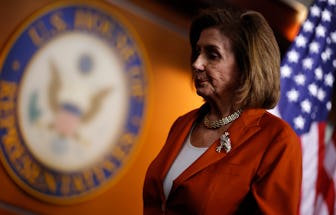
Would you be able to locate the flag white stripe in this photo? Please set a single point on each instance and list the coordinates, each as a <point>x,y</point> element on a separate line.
<point>309,142</point>
<point>321,207</point>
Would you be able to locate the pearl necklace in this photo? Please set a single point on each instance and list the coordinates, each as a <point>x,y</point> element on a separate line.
<point>221,122</point>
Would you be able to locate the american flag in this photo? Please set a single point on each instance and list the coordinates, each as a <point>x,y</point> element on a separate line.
<point>307,80</point>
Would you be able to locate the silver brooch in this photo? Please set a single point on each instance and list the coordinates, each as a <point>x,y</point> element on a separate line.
<point>225,143</point>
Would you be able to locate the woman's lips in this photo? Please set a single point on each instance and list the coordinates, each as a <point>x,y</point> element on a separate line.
<point>201,82</point>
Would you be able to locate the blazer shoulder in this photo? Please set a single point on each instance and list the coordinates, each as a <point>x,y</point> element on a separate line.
<point>281,132</point>
<point>276,121</point>
<point>270,125</point>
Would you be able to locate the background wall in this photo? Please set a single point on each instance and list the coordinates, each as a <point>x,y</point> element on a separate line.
<point>171,94</point>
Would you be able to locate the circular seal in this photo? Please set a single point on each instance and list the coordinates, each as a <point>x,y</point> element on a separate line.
<point>73,88</point>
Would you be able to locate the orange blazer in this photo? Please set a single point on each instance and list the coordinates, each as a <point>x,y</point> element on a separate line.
<point>260,175</point>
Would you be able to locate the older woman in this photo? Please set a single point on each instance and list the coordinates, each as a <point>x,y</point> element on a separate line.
<point>230,156</point>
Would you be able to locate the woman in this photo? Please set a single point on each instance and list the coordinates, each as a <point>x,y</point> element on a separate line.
<point>230,156</point>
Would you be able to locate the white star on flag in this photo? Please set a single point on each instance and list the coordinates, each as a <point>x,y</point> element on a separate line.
<point>300,79</point>
<point>306,106</point>
<point>286,71</point>
<point>308,26</point>
<point>301,41</point>
<point>314,47</point>
<point>293,56</point>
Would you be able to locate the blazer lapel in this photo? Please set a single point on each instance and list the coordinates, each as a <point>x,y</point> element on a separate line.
<point>240,130</point>
<point>175,143</point>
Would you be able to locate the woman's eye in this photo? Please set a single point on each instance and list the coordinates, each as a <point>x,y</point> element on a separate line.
<point>213,56</point>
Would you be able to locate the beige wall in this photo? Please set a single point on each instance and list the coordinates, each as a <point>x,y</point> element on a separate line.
<point>170,93</point>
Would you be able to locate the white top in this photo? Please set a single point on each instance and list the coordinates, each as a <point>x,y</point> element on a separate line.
<point>184,159</point>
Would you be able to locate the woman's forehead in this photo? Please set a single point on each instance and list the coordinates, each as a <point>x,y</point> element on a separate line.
<point>213,37</point>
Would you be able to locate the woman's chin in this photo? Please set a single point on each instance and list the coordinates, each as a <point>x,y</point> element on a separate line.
<point>203,92</point>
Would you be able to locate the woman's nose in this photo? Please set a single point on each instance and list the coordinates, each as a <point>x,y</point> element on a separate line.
<point>199,63</point>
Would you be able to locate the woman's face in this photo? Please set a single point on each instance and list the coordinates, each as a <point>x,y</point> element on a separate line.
<point>215,70</point>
